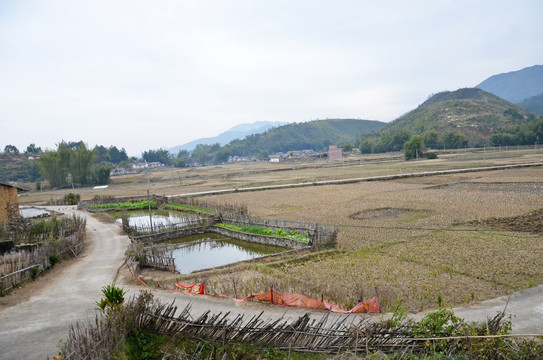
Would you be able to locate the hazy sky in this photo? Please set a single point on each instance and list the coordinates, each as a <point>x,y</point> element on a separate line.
<point>148,74</point>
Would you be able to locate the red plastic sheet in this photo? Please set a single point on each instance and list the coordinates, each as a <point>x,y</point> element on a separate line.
<point>295,300</point>
<point>192,289</point>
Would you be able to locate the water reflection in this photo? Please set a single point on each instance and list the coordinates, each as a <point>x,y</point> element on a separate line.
<point>212,253</point>
<point>164,219</point>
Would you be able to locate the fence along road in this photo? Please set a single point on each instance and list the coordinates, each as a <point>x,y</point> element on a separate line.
<point>32,330</point>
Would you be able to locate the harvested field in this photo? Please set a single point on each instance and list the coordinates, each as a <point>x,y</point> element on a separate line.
<point>493,187</point>
<point>456,238</point>
<point>411,239</point>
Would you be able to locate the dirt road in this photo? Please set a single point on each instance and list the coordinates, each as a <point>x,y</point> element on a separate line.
<point>32,330</point>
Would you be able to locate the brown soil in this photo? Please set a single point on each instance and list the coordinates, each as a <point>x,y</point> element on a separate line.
<point>383,213</point>
<point>531,222</point>
<point>531,188</point>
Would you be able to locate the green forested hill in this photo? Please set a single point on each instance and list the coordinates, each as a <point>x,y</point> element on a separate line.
<point>466,117</point>
<point>473,112</point>
<point>535,104</point>
<point>316,135</point>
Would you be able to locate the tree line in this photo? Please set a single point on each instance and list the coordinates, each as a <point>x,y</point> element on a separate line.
<point>70,162</point>
<point>73,163</point>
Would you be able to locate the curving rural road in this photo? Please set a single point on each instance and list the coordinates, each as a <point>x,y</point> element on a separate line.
<point>32,329</point>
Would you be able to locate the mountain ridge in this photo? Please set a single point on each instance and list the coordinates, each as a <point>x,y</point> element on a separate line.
<point>316,135</point>
<point>515,86</point>
<point>239,131</point>
<point>534,104</point>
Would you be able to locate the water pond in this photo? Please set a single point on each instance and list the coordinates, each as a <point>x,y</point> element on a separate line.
<point>160,218</point>
<point>212,250</point>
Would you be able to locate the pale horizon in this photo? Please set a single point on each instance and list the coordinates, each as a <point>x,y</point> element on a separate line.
<point>142,75</point>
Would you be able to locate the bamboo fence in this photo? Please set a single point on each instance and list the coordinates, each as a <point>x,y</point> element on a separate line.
<point>167,226</point>
<point>24,231</point>
<point>157,257</point>
<point>16,267</point>
<point>344,334</point>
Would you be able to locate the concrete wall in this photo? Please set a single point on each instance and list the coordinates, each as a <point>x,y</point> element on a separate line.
<point>169,235</point>
<point>260,239</point>
<point>8,198</point>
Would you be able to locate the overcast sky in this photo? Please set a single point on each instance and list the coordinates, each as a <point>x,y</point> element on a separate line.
<point>149,74</point>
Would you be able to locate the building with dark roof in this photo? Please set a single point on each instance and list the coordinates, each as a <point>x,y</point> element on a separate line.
<point>9,201</point>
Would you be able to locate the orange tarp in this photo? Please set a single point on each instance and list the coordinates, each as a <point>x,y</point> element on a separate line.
<point>295,300</point>
<point>288,299</point>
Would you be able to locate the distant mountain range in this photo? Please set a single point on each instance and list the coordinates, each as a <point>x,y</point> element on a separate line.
<point>500,110</point>
<point>524,87</point>
<point>237,132</point>
<point>315,135</point>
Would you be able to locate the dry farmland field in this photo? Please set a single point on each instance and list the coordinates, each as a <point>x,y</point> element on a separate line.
<point>447,239</point>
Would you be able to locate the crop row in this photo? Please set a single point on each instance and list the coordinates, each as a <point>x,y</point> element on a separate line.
<point>293,235</point>
<point>143,204</point>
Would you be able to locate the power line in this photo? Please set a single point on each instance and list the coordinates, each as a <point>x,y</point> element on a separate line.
<point>420,228</point>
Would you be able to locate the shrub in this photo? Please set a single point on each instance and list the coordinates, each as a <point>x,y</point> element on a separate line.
<point>113,298</point>
<point>34,272</point>
<point>53,259</point>
<point>72,199</point>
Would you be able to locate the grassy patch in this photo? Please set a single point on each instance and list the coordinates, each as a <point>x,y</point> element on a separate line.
<point>192,208</point>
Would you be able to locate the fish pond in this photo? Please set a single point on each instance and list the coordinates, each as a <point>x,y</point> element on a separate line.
<point>211,250</point>
<point>141,221</point>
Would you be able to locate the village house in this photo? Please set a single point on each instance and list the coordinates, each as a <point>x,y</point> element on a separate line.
<point>334,152</point>
<point>118,171</point>
<point>146,165</point>
<point>9,201</point>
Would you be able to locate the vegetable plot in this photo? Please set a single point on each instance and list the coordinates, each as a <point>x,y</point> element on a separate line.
<point>293,235</point>
<point>143,204</point>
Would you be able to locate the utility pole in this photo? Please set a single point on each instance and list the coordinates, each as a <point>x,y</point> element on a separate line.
<point>149,200</point>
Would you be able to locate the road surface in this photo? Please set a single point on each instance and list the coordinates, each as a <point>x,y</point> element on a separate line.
<point>33,329</point>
